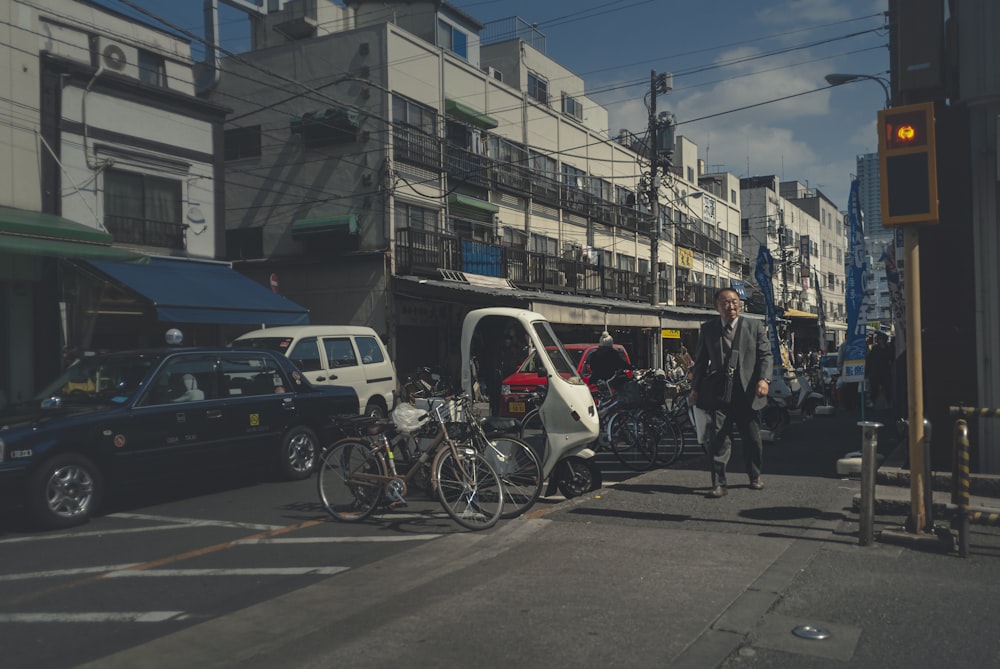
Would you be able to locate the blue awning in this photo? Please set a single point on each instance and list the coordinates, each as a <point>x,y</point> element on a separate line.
<point>193,291</point>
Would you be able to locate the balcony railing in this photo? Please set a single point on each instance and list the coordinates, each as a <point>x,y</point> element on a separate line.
<point>143,232</point>
<point>422,253</point>
<point>412,146</point>
<point>695,240</point>
<point>694,295</point>
<point>467,166</point>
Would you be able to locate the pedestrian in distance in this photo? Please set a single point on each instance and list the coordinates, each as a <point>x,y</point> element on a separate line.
<point>606,360</point>
<point>738,347</point>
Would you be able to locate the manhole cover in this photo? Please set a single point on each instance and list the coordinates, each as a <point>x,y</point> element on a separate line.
<point>811,632</point>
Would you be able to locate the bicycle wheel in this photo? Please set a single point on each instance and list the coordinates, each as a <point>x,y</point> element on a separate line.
<point>350,480</point>
<point>468,488</point>
<point>519,469</point>
<point>533,432</point>
<point>633,440</point>
<point>670,441</point>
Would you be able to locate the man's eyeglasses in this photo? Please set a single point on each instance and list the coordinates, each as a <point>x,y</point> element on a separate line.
<point>729,303</point>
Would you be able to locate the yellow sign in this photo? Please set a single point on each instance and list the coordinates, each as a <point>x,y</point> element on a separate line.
<point>670,334</point>
<point>685,258</point>
<point>254,419</point>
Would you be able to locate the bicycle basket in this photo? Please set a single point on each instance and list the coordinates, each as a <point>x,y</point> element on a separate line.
<point>629,395</point>
<point>458,431</point>
<point>655,390</point>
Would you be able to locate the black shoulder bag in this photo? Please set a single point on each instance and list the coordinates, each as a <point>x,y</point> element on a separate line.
<point>716,388</point>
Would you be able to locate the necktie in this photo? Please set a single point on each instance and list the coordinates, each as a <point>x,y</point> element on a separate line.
<point>727,340</point>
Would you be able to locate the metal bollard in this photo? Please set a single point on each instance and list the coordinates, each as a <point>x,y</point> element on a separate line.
<point>928,479</point>
<point>869,447</point>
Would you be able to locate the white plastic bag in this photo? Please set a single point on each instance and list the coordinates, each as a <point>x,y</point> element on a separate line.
<point>408,418</point>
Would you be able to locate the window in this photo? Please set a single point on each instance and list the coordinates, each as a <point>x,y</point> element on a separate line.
<point>538,88</point>
<point>544,165</point>
<point>544,245</point>
<point>732,196</point>
<point>339,352</point>
<point>734,243</point>
<point>690,172</point>
<point>305,355</point>
<point>152,69</point>
<point>505,151</point>
<point>745,227</point>
<point>143,209</point>
<point>370,351</point>
<point>186,379</point>
<point>572,107</point>
<point>453,39</point>
<point>573,176</point>
<point>416,218</point>
<point>412,114</point>
<point>242,143</point>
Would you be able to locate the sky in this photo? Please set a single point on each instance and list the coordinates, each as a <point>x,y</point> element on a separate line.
<point>748,75</point>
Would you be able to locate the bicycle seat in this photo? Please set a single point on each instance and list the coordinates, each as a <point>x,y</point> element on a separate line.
<point>497,425</point>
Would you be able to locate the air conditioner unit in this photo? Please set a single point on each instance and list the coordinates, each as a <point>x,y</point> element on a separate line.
<point>561,278</point>
<point>118,57</point>
<point>494,72</point>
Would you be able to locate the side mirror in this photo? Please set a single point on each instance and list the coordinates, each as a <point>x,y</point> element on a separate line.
<point>53,402</point>
<point>542,374</point>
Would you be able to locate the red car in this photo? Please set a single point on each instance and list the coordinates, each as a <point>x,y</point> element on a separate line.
<point>525,380</point>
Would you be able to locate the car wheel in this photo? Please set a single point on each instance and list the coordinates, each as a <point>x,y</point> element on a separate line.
<point>299,453</point>
<point>374,410</point>
<point>64,491</point>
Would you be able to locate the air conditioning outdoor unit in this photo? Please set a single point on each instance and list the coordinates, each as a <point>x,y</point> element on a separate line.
<point>118,57</point>
<point>561,278</point>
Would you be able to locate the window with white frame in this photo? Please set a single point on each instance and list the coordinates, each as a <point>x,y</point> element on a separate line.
<point>152,69</point>
<point>538,88</point>
<point>572,107</point>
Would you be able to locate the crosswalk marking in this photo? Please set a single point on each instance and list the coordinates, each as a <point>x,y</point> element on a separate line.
<point>238,571</point>
<point>338,540</point>
<point>93,617</point>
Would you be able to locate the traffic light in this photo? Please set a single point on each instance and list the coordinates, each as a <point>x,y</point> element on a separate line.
<point>907,157</point>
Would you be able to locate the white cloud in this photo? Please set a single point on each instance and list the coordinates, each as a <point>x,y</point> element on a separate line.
<point>798,12</point>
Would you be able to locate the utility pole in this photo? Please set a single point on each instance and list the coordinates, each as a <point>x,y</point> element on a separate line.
<point>657,84</point>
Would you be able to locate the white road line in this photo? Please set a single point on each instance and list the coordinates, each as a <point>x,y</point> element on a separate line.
<point>263,571</point>
<point>338,540</point>
<point>55,573</point>
<point>92,617</point>
<point>194,522</point>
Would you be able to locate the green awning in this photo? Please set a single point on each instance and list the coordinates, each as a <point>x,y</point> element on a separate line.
<point>34,233</point>
<point>467,113</point>
<point>330,225</point>
<point>456,200</point>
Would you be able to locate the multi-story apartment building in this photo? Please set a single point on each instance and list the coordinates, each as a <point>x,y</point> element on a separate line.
<point>398,163</point>
<point>878,240</point>
<point>804,233</point>
<point>109,185</point>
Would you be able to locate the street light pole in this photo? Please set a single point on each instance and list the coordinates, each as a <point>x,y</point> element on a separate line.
<point>838,79</point>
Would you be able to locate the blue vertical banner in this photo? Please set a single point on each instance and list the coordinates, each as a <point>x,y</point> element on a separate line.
<point>763,272</point>
<point>854,346</point>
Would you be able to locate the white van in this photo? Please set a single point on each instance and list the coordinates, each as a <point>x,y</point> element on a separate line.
<point>337,355</point>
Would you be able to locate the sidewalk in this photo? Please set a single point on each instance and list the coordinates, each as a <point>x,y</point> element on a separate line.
<point>648,573</point>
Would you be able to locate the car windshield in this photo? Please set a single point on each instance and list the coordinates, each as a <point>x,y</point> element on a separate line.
<point>279,344</point>
<point>110,379</point>
<point>554,351</point>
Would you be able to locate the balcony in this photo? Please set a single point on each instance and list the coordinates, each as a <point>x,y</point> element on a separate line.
<point>423,253</point>
<point>694,295</point>
<point>695,240</point>
<point>412,146</point>
<point>142,232</point>
<point>468,167</point>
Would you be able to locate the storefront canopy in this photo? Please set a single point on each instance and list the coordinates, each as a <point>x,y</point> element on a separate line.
<point>192,291</point>
<point>37,234</point>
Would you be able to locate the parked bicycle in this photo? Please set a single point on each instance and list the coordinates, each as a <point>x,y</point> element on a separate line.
<point>358,473</point>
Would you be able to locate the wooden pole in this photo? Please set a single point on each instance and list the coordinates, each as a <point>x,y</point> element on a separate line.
<point>914,371</point>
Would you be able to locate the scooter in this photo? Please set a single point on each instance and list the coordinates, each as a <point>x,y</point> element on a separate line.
<point>567,420</point>
<point>788,396</point>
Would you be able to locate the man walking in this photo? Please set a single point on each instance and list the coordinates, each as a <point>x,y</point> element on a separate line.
<point>737,346</point>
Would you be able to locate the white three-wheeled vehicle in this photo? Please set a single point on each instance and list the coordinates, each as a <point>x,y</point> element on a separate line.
<point>567,411</point>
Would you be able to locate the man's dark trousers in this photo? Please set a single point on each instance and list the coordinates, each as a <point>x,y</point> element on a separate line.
<point>720,445</point>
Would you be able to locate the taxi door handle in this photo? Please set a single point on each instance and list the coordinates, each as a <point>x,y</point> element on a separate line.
<point>213,413</point>
<point>320,378</point>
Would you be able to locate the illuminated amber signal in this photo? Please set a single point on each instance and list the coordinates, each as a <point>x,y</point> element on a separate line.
<point>908,165</point>
<point>906,134</point>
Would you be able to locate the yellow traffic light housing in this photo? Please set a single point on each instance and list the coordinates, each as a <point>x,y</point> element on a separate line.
<point>908,164</point>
